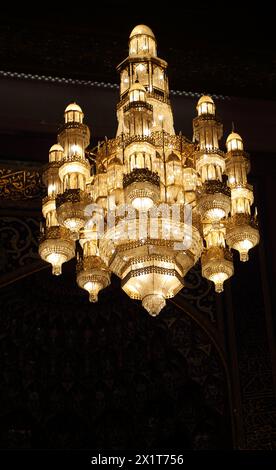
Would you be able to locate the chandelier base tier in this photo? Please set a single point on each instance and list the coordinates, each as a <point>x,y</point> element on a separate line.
<point>92,276</point>
<point>153,303</point>
<point>56,247</point>
<point>242,234</point>
<point>217,266</point>
<point>147,204</point>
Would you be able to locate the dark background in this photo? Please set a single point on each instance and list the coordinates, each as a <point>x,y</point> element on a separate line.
<point>219,47</point>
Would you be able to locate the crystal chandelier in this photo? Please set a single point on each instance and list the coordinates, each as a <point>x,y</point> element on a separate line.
<point>147,204</point>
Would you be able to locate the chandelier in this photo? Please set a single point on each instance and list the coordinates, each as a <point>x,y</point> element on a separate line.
<point>147,204</point>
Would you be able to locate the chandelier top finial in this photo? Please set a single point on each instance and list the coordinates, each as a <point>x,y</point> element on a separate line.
<point>142,41</point>
<point>232,136</point>
<point>205,105</point>
<point>73,107</point>
<point>141,29</point>
<point>73,113</point>
<point>205,99</point>
<point>56,148</point>
<point>234,142</point>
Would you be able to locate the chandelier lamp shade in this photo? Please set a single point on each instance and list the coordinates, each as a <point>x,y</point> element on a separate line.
<point>148,204</point>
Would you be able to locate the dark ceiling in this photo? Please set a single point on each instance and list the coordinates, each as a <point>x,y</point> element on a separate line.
<point>211,47</point>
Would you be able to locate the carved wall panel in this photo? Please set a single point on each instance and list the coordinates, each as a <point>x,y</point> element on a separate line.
<point>21,190</point>
<point>18,247</point>
<point>18,184</point>
<point>75,374</point>
<point>254,358</point>
<point>200,293</point>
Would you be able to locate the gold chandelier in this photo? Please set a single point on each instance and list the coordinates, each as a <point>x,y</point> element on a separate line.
<point>147,204</point>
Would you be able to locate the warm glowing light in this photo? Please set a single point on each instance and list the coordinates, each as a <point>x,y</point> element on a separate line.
<point>73,224</point>
<point>124,204</point>
<point>243,248</point>
<point>215,214</point>
<point>218,279</point>
<point>234,142</point>
<point>93,288</point>
<point>56,260</point>
<point>142,203</point>
<point>153,304</point>
<point>205,105</point>
<point>75,149</point>
<point>51,189</point>
<point>146,132</point>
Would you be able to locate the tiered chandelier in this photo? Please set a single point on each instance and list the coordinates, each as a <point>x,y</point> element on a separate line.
<point>147,204</point>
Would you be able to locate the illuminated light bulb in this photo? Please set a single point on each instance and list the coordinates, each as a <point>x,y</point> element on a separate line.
<point>56,260</point>
<point>93,288</point>
<point>218,279</point>
<point>154,303</point>
<point>51,189</point>
<point>215,214</point>
<point>75,149</point>
<point>142,204</point>
<point>243,248</point>
<point>73,224</point>
<point>147,132</point>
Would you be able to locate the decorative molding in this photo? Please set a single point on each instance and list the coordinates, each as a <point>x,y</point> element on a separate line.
<point>18,246</point>
<point>199,292</point>
<point>215,186</point>
<point>257,393</point>
<point>19,184</point>
<point>93,83</point>
<point>72,196</point>
<point>144,175</point>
